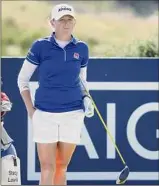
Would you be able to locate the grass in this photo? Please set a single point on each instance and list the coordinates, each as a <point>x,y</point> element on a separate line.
<point>108,32</point>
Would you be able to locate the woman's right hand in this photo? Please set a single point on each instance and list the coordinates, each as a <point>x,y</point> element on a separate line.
<point>31,112</point>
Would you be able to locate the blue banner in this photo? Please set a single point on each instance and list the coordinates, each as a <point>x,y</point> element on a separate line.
<point>126,94</point>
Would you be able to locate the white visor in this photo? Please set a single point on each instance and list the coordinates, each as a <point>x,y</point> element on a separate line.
<point>61,10</point>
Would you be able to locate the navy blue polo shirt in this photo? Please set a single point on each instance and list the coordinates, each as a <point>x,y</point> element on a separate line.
<point>59,85</point>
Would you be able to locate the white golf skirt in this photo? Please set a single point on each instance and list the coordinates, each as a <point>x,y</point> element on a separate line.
<point>57,127</point>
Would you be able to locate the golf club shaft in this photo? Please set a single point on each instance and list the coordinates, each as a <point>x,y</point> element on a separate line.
<point>104,124</point>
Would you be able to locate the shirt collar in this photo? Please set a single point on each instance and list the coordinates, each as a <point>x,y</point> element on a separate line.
<point>73,39</point>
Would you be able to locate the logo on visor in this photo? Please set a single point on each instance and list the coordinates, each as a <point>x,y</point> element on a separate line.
<point>76,55</point>
<point>64,8</point>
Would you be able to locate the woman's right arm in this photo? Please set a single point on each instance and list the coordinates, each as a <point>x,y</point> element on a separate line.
<point>24,76</point>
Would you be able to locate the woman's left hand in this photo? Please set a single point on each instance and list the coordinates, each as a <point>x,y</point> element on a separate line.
<point>89,108</point>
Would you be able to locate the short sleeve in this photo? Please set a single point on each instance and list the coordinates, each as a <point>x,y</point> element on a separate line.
<point>33,55</point>
<point>85,56</point>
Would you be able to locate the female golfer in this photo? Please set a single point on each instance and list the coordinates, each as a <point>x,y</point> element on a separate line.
<point>60,101</point>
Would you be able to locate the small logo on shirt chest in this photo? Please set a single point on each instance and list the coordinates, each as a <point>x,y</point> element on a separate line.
<point>76,55</point>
